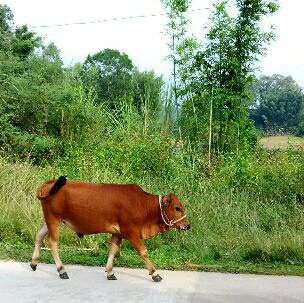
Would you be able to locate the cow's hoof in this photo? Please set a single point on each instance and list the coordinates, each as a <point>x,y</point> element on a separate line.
<point>64,275</point>
<point>111,277</point>
<point>33,266</point>
<point>157,278</point>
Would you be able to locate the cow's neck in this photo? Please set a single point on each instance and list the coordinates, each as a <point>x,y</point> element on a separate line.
<point>154,223</point>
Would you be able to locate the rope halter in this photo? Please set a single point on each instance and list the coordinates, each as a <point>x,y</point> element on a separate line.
<point>164,216</point>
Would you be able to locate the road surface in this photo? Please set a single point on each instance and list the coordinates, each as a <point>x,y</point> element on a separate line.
<point>18,283</point>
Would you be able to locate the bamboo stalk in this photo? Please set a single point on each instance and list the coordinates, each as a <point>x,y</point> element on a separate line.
<point>210,131</point>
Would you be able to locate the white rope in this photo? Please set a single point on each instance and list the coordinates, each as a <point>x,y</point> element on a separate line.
<point>164,216</point>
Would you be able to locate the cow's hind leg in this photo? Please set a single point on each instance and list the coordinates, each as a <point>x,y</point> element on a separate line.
<point>143,252</point>
<point>53,237</point>
<point>38,243</point>
<point>114,247</point>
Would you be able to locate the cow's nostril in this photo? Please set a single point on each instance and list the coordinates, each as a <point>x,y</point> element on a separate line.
<point>188,226</point>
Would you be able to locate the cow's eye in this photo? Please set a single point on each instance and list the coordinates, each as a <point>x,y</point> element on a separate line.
<point>178,209</point>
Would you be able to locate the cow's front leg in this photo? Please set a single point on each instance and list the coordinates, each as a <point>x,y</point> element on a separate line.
<point>143,252</point>
<point>114,247</point>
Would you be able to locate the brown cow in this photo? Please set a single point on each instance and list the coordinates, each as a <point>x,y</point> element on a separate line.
<point>124,210</point>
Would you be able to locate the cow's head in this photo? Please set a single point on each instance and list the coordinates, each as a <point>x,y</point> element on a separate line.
<point>173,212</point>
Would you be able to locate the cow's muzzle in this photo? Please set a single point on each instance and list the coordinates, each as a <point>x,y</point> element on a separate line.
<point>185,227</point>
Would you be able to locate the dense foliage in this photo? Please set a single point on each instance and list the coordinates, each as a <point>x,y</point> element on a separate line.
<point>46,108</point>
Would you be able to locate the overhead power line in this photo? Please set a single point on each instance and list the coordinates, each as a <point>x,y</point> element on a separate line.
<point>109,19</point>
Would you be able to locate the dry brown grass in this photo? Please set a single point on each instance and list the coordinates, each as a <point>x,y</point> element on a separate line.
<point>282,142</point>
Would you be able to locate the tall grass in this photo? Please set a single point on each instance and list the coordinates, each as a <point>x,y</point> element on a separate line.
<point>229,223</point>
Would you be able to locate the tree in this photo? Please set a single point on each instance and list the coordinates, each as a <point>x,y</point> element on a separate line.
<point>52,53</point>
<point>223,71</point>
<point>6,29</point>
<point>6,19</point>
<point>109,73</point>
<point>147,91</point>
<point>17,41</point>
<point>146,96</point>
<point>30,82</point>
<point>280,103</point>
<point>24,42</point>
<point>176,30</point>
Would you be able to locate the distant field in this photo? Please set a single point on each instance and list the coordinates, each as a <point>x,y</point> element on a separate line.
<point>282,142</point>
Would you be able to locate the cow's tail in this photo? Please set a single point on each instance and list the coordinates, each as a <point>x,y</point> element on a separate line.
<point>60,182</point>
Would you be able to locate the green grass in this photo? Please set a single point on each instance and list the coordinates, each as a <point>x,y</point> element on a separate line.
<point>128,258</point>
<point>240,227</point>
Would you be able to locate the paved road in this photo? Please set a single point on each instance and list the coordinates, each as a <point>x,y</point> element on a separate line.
<point>88,284</point>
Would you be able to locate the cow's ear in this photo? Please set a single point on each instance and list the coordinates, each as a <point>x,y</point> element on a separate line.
<point>167,200</point>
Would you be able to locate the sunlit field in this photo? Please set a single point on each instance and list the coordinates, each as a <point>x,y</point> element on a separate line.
<point>282,142</point>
